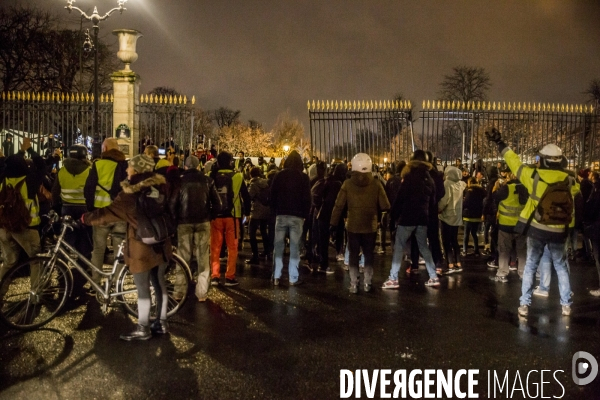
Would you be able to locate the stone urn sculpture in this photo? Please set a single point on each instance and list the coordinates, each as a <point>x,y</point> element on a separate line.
<point>127,41</point>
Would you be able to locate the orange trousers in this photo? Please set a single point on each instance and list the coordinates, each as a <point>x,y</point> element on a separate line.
<point>227,227</point>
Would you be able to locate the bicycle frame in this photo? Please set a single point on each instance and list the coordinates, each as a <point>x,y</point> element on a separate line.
<point>65,250</point>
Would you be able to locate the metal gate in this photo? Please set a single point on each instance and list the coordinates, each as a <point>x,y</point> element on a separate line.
<point>457,130</point>
<point>167,122</point>
<point>53,120</point>
<point>340,129</point>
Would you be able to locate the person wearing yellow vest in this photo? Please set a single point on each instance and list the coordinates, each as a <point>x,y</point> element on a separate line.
<point>531,220</point>
<point>68,199</point>
<point>16,170</point>
<point>510,196</point>
<point>101,188</point>
<point>235,202</point>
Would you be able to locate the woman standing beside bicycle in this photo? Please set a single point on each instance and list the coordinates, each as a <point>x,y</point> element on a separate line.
<point>146,262</point>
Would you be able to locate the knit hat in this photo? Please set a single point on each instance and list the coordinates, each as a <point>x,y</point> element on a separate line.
<point>142,163</point>
<point>192,162</point>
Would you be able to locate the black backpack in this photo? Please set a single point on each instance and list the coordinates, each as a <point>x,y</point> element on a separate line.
<point>154,224</point>
<point>556,204</point>
<point>224,186</point>
<point>14,214</point>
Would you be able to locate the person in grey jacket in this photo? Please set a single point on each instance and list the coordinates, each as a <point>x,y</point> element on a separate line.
<point>450,214</point>
<point>260,214</point>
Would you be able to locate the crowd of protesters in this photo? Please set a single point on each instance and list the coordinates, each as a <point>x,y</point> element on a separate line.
<point>531,216</point>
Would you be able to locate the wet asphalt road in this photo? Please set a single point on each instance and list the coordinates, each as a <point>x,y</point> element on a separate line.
<point>255,341</point>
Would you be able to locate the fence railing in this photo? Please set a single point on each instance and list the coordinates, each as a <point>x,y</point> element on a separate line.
<point>456,130</point>
<point>167,121</point>
<point>340,129</point>
<point>53,120</point>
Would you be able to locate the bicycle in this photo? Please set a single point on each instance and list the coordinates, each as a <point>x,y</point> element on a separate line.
<point>34,292</point>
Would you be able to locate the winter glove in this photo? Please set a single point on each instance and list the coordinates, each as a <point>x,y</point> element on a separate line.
<point>495,136</point>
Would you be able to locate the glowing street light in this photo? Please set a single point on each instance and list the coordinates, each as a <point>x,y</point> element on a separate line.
<point>95,18</point>
<point>286,148</point>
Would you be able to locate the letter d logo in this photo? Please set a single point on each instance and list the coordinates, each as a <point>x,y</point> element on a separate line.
<point>583,367</point>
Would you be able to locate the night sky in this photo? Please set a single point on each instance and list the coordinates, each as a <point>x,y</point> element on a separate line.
<point>265,56</point>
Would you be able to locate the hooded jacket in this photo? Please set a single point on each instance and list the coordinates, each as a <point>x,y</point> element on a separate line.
<point>139,256</point>
<point>364,197</point>
<point>259,210</point>
<point>416,196</point>
<point>450,206</point>
<point>290,191</point>
<point>325,200</point>
<point>473,203</point>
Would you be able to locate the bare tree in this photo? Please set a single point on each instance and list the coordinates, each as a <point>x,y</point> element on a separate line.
<point>593,92</point>
<point>224,116</point>
<point>35,55</point>
<point>465,84</point>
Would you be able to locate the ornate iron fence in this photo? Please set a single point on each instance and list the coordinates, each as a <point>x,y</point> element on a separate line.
<point>167,122</point>
<point>53,120</point>
<point>340,129</point>
<point>456,130</point>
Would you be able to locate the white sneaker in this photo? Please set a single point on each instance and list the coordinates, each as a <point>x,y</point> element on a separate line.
<point>340,257</point>
<point>595,293</point>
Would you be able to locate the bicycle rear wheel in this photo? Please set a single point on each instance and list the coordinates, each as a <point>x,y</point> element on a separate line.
<point>178,281</point>
<point>33,293</point>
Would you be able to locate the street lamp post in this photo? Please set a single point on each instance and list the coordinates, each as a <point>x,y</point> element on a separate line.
<point>96,18</point>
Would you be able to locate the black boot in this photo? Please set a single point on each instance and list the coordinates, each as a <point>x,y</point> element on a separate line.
<point>159,327</point>
<point>140,333</point>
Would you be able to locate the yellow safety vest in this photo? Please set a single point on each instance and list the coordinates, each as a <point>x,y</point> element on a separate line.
<point>106,175</point>
<point>71,186</point>
<point>236,183</point>
<point>509,209</point>
<point>536,186</point>
<point>32,205</point>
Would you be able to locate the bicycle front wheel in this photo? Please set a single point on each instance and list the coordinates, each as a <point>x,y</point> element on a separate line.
<point>33,293</point>
<point>178,280</point>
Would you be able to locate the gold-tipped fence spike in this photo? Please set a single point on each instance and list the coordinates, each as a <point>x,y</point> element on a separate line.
<point>193,100</point>
<point>327,105</point>
<point>562,108</point>
<point>337,105</point>
<point>185,99</point>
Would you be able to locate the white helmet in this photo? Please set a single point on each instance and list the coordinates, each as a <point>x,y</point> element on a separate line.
<point>362,163</point>
<point>552,153</point>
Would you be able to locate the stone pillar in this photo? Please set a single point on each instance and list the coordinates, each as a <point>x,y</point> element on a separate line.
<point>126,119</point>
<point>126,89</point>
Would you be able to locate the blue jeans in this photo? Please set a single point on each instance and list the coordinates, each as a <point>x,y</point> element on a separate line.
<point>545,270</point>
<point>288,224</point>
<point>402,235</point>
<point>535,250</point>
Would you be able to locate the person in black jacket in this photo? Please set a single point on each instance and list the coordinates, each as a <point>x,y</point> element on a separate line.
<point>490,210</point>
<point>8,146</point>
<point>591,218</point>
<point>410,213</point>
<point>392,185</point>
<point>192,202</point>
<point>290,200</point>
<point>324,201</point>
<point>472,214</point>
